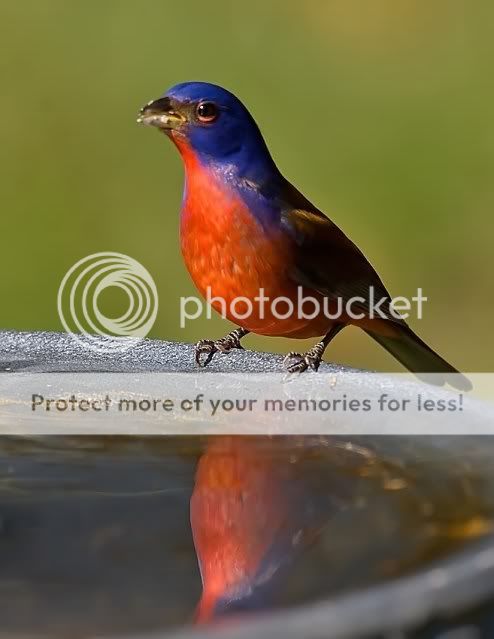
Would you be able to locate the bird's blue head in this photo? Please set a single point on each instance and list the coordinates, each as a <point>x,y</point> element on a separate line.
<point>212,123</point>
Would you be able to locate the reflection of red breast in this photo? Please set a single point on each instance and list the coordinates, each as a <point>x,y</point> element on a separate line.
<point>237,510</point>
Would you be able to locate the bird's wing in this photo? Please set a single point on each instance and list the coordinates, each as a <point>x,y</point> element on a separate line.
<point>327,261</point>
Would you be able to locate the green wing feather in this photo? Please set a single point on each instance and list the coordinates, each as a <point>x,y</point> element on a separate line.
<point>327,261</point>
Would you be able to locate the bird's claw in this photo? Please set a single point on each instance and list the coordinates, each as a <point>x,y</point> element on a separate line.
<point>205,347</point>
<point>209,347</point>
<point>301,362</point>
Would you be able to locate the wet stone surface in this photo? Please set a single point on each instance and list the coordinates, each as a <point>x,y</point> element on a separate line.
<point>97,533</point>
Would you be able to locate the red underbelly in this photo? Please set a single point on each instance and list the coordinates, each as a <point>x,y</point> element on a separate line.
<point>244,272</point>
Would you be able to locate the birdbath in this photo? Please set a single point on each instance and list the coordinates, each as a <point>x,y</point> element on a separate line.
<point>381,534</point>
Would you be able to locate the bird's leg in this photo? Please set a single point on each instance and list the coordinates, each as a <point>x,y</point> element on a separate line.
<point>300,362</point>
<point>226,344</point>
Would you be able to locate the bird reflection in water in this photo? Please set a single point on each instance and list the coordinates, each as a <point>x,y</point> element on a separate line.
<point>251,515</point>
<point>280,521</point>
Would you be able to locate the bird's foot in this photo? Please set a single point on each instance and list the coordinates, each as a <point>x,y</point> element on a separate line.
<point>300,362</point>
<point>209,347</point>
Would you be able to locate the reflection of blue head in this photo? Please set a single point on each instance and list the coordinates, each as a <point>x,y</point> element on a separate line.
<point>259,594</point>
<point>266,589</point>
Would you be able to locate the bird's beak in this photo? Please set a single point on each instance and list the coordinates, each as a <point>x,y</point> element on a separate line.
<point>160,113</point>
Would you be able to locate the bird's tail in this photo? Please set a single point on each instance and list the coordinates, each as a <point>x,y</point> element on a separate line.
<point>415,355</point>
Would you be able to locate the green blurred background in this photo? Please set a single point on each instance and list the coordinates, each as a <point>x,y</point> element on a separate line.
<point>380,112</point>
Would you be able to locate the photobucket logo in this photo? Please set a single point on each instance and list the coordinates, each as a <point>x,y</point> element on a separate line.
<point>304,307</point>
<point>78,302</point>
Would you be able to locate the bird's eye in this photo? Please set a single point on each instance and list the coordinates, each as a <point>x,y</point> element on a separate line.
<point>207,111</point>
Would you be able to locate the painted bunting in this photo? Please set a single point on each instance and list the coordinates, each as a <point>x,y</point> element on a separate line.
<point>244,229</point>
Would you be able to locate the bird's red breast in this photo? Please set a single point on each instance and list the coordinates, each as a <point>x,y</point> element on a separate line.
<point>227,252</point>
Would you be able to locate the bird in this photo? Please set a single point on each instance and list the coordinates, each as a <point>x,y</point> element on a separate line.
<point>244,228</point>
